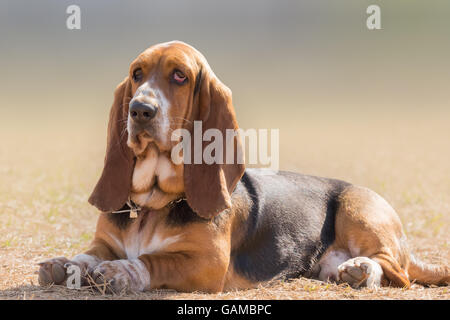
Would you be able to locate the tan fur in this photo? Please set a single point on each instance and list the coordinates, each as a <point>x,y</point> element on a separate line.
<point>144,172</point>
<point>428,273</point>
<point>181,264</point>
<point>156,180</point>
<point>196,256</point>
<point>199,259</point>
<point>367,226</point>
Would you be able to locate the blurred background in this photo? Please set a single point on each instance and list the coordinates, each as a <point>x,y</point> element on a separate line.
<point>290,64</point>
<point>370,107</point>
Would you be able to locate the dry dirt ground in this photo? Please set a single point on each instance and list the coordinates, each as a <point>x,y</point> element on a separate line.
<point>47,174</point>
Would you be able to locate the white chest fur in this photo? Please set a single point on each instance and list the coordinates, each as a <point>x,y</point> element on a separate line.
<point>134,246</point>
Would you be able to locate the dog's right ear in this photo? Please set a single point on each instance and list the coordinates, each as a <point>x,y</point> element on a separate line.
<point>113,189</point>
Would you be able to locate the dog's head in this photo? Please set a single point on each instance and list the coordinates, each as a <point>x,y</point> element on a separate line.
<point>169,86</point>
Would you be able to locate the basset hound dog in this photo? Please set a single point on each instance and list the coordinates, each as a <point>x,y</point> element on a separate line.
<point>214,227</point>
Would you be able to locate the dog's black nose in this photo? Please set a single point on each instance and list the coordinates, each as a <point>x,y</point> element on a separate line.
<point>142,112</point>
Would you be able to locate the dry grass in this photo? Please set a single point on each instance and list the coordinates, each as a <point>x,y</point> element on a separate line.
<point>47,175</point>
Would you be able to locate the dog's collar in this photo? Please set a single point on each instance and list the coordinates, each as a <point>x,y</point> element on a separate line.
<point>135,208</point>
<point>174,202</point>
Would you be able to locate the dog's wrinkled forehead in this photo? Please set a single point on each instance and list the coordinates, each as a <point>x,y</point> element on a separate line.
<point>158,62</point>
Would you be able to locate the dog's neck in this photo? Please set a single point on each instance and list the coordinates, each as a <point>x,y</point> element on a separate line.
<point>157,181</point>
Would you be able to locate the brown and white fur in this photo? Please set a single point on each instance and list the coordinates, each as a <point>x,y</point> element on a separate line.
<point>233,228</point>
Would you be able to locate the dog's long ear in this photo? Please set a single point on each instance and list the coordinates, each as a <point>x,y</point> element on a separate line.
<point>112,190</point>
<point>208,187</point>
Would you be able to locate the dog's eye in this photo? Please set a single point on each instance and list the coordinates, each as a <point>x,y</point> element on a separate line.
<point>137,75</point>
<point>179,77</point>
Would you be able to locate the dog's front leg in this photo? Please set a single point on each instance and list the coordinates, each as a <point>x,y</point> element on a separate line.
<point>173,270</point>
<point>55,270</point>
<point>121,276</point>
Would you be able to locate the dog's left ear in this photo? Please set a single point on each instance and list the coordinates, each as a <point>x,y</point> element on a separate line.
<point>208,187</point>
<point>112,190</point>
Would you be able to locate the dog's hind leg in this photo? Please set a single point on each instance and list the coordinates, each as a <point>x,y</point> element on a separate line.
<point>368,228</point>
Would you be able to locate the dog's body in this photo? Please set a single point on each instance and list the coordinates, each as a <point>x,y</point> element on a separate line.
<point>218,227</point>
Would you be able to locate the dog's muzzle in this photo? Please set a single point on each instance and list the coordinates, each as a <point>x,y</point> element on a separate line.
<point>142,113</point>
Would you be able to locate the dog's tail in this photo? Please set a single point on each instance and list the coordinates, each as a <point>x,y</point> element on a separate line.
<point>428,274</point>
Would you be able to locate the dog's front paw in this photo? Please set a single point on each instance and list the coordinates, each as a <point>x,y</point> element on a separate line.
<point>53,271</point>
<point>121,276</point>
